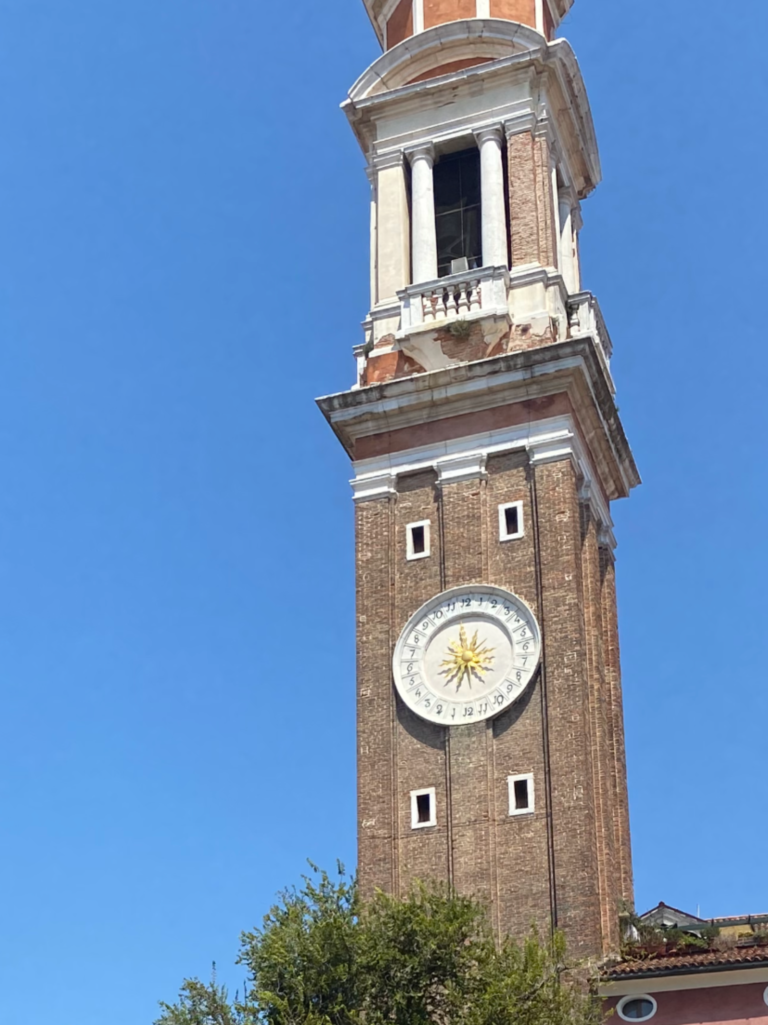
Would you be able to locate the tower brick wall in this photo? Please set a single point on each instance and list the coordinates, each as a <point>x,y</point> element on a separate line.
<point>558,864</point>
<point>532,217</point>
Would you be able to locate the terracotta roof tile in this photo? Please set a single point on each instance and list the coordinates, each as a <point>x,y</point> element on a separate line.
<point>703,959</point>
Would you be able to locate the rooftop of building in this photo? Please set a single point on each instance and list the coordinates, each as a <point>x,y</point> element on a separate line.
<point>667,941</point>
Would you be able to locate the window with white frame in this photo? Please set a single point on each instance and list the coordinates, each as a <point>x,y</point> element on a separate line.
<point>417,540</point>
<point>423,808</point>
<point>636,1008</point>
<point>521,797</point>
<point>511,521</point>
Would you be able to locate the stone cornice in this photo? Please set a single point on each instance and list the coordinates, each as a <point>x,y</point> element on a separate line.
<point>572,367</point>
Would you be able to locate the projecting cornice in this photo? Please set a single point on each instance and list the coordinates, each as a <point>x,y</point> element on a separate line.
<point>384,416</point>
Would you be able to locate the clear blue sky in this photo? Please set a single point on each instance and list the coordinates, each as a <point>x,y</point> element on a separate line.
<point>183,268</point>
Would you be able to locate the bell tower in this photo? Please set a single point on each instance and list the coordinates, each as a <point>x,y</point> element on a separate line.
<point>486,451</point>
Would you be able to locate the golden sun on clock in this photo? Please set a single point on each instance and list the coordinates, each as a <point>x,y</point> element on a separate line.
<point>466,655</point>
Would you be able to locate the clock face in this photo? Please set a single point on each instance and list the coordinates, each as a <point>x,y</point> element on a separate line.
<point>466,655</point>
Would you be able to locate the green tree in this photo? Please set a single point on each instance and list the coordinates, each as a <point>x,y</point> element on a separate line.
<point>324,957</point>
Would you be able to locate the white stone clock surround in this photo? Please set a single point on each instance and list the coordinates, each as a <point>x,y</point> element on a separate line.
<point>466,655</point>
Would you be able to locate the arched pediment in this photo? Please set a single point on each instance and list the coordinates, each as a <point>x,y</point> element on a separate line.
<point>457,43</point>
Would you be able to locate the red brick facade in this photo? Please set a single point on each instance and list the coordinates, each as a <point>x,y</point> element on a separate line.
<point>568,862</point>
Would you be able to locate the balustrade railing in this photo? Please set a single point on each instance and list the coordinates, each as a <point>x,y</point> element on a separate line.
<point>469,294</point>
<point>586,318</point>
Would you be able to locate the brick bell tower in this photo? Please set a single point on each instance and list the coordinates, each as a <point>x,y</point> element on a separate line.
<point>486,450</point>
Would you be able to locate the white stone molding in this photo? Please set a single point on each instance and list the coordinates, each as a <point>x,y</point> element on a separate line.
<point>590,495</point>
<point>383,161</point>
<point>493,209</point>
<point>374,485</point>
<point>423,230</point>
<point>549,440</point>
<point>467,466</point>
<point>540,16</point>
<point>566,243</point>
<point>418,16</point>
<point>483,8</point>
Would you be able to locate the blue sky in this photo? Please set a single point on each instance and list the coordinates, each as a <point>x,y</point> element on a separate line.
<point>183,268</point>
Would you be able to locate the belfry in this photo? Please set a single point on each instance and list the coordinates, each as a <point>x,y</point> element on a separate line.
<point>486,451</point>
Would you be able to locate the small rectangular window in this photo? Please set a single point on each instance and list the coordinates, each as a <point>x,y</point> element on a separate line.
<point>417,540</point>
<point>423,812</point>
<point>511,521</point>
<point>521,794</point>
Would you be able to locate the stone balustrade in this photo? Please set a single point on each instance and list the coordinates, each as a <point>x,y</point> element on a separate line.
<point>585,318</point>
<point>471,294</point>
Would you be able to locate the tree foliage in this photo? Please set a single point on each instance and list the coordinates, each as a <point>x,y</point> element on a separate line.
<point>323,957</point>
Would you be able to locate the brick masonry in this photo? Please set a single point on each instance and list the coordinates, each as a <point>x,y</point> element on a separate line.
<point>531,210</point>
<point>568,862</point>
<point>438,12</point>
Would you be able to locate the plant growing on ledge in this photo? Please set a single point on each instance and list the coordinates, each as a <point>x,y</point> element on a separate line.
<point>460,328</point>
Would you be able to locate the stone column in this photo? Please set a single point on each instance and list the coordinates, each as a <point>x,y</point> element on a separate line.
<point>494,228</point>
<point>393,249</point>
<point>372,178</point>
<point>424,234</point>
<point>566,245</point>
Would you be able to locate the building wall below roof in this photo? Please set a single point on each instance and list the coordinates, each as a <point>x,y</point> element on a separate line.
<point>523,11</point>
<point>410,16</point>
<point>720,1005</point>
<point>437,12</point>
<point>400,25</point>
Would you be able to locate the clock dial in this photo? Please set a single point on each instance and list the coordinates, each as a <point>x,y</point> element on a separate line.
<point>466,655</point>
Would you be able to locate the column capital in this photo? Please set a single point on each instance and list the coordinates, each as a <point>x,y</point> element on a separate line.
<point>490,132</point>
<point>382,161</point>
<point>424,151</point>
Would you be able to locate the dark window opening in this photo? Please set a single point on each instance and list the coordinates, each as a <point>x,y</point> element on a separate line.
<point>522,800</point>
<point>640,1008</point>
<point>512,519</point>
<point>423,808</point>
<point>457,210</point>
<point>418,540</point>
